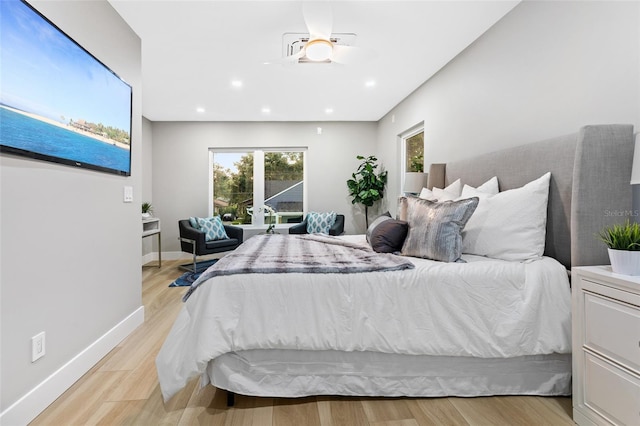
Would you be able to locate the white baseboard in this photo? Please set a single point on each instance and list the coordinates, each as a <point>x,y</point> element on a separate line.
<point>166,255</point>
<point>149,257</point>
<point>37,399</point>
<point>174,255</point>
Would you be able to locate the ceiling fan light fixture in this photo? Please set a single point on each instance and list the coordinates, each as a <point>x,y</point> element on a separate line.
<point>318,50</point>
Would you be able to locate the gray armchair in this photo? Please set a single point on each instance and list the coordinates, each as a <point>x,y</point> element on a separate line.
<point>336,229</point>
<point>193,241</point>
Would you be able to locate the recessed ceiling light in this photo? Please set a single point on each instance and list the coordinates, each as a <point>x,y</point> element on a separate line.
<point>200,109</point>
<point>329,110</point>
<point>236,83</point>
<point>266,110</point>
<point>370,83</point>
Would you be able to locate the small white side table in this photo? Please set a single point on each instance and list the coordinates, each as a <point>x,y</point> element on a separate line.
<point>606,347</point>
<point>151,226</point>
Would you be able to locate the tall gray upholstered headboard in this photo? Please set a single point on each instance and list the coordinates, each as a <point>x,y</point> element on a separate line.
<point>590,185</point>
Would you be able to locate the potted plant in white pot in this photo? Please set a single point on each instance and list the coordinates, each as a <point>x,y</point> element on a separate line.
<point>147,209</point>
<point>623,245</point>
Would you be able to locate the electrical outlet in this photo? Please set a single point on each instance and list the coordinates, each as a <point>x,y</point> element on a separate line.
<point>37,347</point>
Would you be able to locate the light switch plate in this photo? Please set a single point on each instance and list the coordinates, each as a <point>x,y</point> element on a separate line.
<point>37,346</point>
<point>128,194</point>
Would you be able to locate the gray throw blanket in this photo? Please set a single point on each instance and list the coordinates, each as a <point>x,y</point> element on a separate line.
<point>311,253</point>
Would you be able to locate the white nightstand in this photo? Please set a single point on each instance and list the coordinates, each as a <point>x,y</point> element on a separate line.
<point>606,347</point>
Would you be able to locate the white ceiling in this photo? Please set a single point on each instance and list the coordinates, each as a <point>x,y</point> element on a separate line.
<point>193,50</point>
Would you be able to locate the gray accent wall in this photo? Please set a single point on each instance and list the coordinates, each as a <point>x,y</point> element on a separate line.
<point>544,70</point>
<point>70,247</point>
<point>181,164</point>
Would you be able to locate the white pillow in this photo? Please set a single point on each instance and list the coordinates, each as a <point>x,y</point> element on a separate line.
<point>510,225</point>
<point>470,191</point>
<point>489,187</point>
<point>427,194</point>
<point>449,193</point>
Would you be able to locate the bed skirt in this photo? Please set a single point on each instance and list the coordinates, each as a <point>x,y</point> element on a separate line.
<point>291,373</point>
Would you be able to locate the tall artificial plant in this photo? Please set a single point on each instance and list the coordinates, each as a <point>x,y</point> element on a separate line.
<point>366,186</point>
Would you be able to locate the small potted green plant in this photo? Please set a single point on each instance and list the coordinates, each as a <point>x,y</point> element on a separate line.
<point>623,245</point>
<point>147,209</point>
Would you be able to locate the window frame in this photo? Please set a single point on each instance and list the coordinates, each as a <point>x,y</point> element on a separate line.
<point>408,134</point>
<point>258,178</point>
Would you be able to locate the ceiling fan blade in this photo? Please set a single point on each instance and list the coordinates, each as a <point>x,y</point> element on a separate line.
<point>291,59</point>
<point>350,54</point>
<point>319,19</point>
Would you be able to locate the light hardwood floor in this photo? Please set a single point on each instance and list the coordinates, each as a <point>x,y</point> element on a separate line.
<point>122,389</point>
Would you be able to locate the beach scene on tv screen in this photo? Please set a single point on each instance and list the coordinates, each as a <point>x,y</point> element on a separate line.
<point>56,99</point>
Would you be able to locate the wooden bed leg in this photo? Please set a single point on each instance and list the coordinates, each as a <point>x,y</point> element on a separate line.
<point>231,399</point>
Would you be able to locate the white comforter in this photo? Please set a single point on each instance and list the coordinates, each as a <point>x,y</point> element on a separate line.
<point>483,308</point>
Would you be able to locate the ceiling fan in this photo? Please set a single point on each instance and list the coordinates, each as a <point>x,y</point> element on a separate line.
<point>321,45</point>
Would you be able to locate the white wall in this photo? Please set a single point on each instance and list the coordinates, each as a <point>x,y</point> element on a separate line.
<point>149,243</point>
<point>70,247</point>
<point>181,164</point>
<point>545,69</point>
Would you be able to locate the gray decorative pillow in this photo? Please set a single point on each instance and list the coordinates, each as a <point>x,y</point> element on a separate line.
<point>388,236</point>
<point>376,222</point>
<point>403,205</point>
<point>435,229</point>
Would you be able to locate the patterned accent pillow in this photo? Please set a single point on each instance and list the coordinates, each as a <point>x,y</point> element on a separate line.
<point>320,223</point>
<point>435,229</point>
<point>213,228</point>
<point>193,221</point>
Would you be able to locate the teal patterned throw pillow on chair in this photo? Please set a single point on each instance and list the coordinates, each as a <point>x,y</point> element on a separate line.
<point>320,223</point>
<point>213,228</point>
<point>194,222</point>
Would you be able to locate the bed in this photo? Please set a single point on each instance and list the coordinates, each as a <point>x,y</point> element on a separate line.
<point>479,327</point>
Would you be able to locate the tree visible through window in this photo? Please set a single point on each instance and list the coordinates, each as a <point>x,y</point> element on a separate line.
<point>279,175</point>
<point>414,149</point>
<point>232,185</point>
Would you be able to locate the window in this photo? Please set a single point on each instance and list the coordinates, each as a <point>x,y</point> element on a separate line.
<point>412,159</point>
<point>414,152</point>
<point>257,187</point>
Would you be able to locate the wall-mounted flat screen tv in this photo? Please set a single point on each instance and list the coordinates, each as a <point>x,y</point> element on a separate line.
<point>57,101</point>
